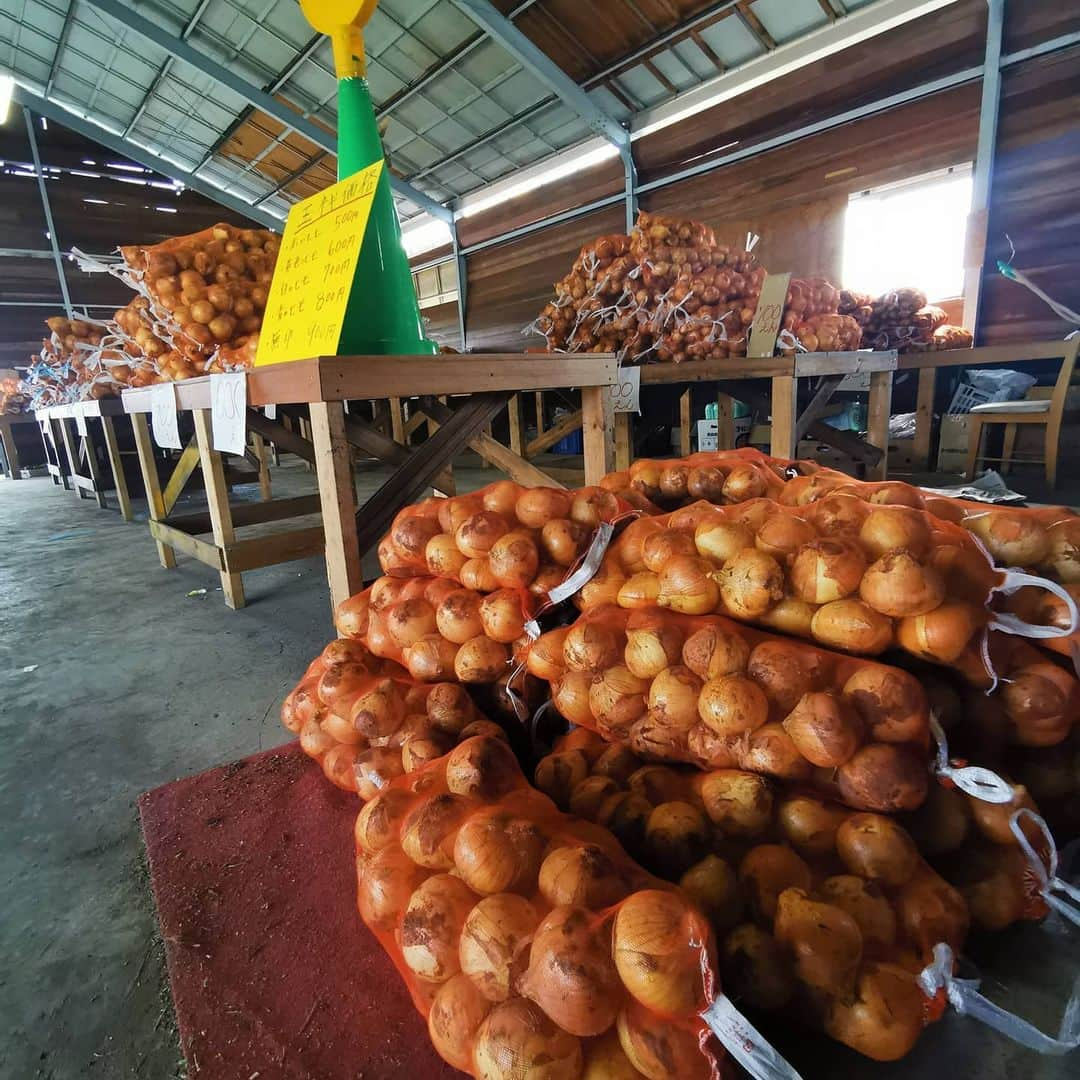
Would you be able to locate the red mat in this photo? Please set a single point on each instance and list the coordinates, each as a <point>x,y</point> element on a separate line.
<point>273,974</point>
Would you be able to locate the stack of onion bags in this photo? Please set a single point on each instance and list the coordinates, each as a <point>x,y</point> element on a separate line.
<point>824,912</point>
<point>531,942</point>
<point>366,722</point>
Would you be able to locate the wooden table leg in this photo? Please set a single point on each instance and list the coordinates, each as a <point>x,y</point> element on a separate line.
<point>151,483</point>
<point>337,493</point>
<point>783,443</point>
<point>684,423</point>
<point>877,421</point>
<point>725,422</point>
<point>88,448</point>
<point>116,463</point>
<point>397,421</point>
<point>484,463</point>
<point>598,432</point>
<point>11,450</point>
<point>72,456</point>
<point>217,498</point>
<point>924,416</point>
<point>258,446</point>
<point>517,433</point>
<point>624,436</point>
<point>539,397</point>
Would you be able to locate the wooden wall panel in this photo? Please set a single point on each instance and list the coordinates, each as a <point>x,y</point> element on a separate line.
<point>441,324</point>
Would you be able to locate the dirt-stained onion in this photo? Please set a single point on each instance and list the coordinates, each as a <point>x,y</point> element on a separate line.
<point>883,778</point>
<point>457,618</point>
<point>732,704</point>
<point>605,1059</point>
<point>457,1011</point>
<point>429,829</point>
<point>481,660</point>
<point>386,881</point>
<point>941,634</point>
<point>827,570</point>
<point>876,847</point>
<point>662,1051</point>
<point>581,874</point>
<point>421,748</point>
<point>897,584</point>
<point>410,535</point>
<point>408,621</point>
<point>558,774</point>
<point>1013,539</point>
<point>687,586</point>
<point>755,969</point>
<point>652,648</point>
<point>494,947</point>
<point>430,658</point>
<point>603,588</point>
<point>351,616</point>
<point>476,575</point>
<point>570,692</point>
<point>890,702</point>
<point>765,872</point>
<point>744,482</point>
<point>442,556</point>
<point>931,911</point>
<point>563,541</point>
<point>810,824</point>
<point>1063,556</point>
<point>518,1041</point>
<point>893,528</point>
<point>545,656</point>
<point>587,798</point>
<point>449,708</point>
<point>617,698</point>
<point>786,670</point>
<point>456,510</point>
<point>502,616</point>
<point>1041,701</point>
<point>853,626</point>
<point>482,767</point>
<point>706,482</point>
<point>714,887</point>
<point>660,548</point>
<point>476,536</point>
<point>535,507</point>
<point>592,646</point>
<point>640,590</point>
<point>495,852</point>
<point>715,651</point>
<point>866,904</point>
<point>673,697</point>
<point>676,836</point>
<point>824,939</point>
<point>790,616</point>
<point>375,769</point>
<point>738,803</point>
<point>514,560</point>
<point>720,538</point>
<point>884,1018</point>
<point>379,710</point>
<point>379,822</point>
<point>782,535</point>
<point>825,730</point>
<point>660,783</point>
<point>839,514</point>
<point>674,482</point>
<point>750,583</point>
<point>772,751</point>
<point>431,927</point>
<point>502,497</point>
<point>593,505</point>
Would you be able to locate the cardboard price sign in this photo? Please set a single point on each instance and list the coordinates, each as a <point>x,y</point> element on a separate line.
<point>770,312</point>
<point>626,393</point>
<point>315,269</point>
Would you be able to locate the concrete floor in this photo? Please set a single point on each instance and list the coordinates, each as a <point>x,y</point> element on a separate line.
<point>112,681</point>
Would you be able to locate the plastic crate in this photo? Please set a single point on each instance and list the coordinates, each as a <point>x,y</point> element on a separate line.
<point>966,398</point>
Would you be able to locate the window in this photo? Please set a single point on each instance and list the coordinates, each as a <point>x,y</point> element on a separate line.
<point>910,233</point>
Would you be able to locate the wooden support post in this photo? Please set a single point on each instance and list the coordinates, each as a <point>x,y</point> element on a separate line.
<point>624,440</point>
<point>72,456</point>
<point>725,422</point>
<point>539,412</point>
<point>337,491</point>
<point>11,451</point>
<point>217,498</point>
<point>258,445</point>
<point>181,474</point>
<point>684,423</point>
<point>517,433</point>
<point>877,421</point>
<point>397,421</point>
<point>924,416</point>
<point>484,463</point>
<point>116,463</point>
<point>304,425</point>
<point>783,443</point>
<point>89,451</point>
<point>598,431</point>
<point>152,485</point>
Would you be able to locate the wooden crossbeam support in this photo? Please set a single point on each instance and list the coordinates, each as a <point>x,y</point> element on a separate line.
<point>181,474</point>
<point>827,385</point>
<point>570,422</point>
<point>282,437</point>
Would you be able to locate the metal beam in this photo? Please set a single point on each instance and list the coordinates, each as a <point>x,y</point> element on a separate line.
<point>128,17</point>
<point>462,267</point>
<point>61,45</point>
<point>57,257</point>
<point>95,132</point>
<point>542,67</point>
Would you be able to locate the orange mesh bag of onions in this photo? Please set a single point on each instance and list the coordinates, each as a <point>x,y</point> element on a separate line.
<point>366,722</point>
<point>712,692</point>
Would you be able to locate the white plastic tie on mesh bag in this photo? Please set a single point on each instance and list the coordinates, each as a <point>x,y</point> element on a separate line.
<point>588,565</point>
<point>787,340</point>
<point>1008,623</point>
<point>745,1043</point>
<point>1046,873</point>
<point>963,995</point>
<point>973,780</point>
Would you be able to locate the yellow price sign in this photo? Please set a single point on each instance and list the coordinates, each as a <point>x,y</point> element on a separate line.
<point>315,268</point>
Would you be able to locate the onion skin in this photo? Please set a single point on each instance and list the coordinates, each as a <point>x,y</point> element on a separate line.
<point>687,586</point>
<point>581,875</point>
<point>502,616</point>
<point>750,583</point>
<point>894,528</point>
<point>659,548</point>
<point>481,660</point>
<point>875,847</point>
<point>824,730</point>
<point>852,626</point>
<point>676,836</point>
<point>587,798</point>
<point>705,482</point>
<point>1042,703</point>
<point>428,830</point>
<point>897,585</point>
<point>826,570</point>
<point>884,1019</point>
<point>810,824</point>
<point>563,541</point>
<point>517,1041</point>
<point>782,535</point>
<point>476,536</point>
<point>765,872</point>
<point>386,881</point>
<point>732,705</point>
<point>431,927</point>
<point>640,590</point>
<point>930,910</point>
<point>457,1011</point>
<point>660,783</point>
<point>1013,539</point>
<point>571,696</point>
<point>673,697</point>
<point>772,751</point>
<point>457,618</point>
<point>379,822</point>
<point>545,656</point>
<point>431,659</point>
<point>535,507</point>
<point>495,943</point>
<point>558,774</point>
<point>940,635</point>
<point>497,853</point>
<point>738,803</point>
<point>651,649</point>
<point>1063,557</point>
<point>617,700</point>
<point>720,539</point>
<point>483,767</point>
<point>755,970</point>
<point>883,778</point>
<point>714,887</point>
<point>865,902</point>
<point>824,939</point>
<point>591,647</point>
<point>890,702</point>
<point>786,671</point>
<point>514,560</point>
<point>502,497</point>
<point>714,651</point>
<point>606,1060</point>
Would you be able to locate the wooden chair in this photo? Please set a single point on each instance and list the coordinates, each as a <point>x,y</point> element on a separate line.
<point>1050,417</point>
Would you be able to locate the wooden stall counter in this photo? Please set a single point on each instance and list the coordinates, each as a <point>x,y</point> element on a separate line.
<point>8,423</point>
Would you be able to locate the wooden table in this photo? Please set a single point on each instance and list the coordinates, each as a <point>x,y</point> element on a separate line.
<point>8,422</point>
<point>325,385</point>
<point>70,434</point>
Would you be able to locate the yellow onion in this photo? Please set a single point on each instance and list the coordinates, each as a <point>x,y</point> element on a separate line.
<point>617,698</point>
<point>753,513</point>
<point>558,774</point>
<point>384,591</point>
<point>410,535</point>
<point>660,783</point>
<point>883,778</point>
<point>687,586</point>
<point>482,767</point>
<point>341,680</point>
<point>744,482</point>
<point>827,570</point>
<point>583,875</point>
<point>1041,702</point>
<point>676,836</point>
<point>782,535</point>
<point>476,575</point>
<point>449,708</point>
<point>453,512</point>
<point>1063,556</point>
<point>431,927</point>
<point>941,634</point>
<point>606,1060</point>
<point>502,497</point>
<point>387,879</point>
<point>571,974</point>
<point>674,482</point>
<point>602,588</point>
<point>495,852</point>
<point>875,847</point>
<point>429,829</point>
<point>379,822</point>
<point>481,660</point>
<point>866,904</point>
<point>839,514</point>
<point>765,872</point>
<point>717,537</point>
<point>591,646</point>
<point>884,1018</point>
<point>890,702</point>
<point>587,798</point>
<point>545,656</point>
<point>571,696</point>
<point>687,518</point>
<point>563,541</point>
<point>341,730</point>
<point>824,729</point>
<point>786,670</point>
<point>617,763</point>
<point>732,704</point>
<point>657,944</point>
<point>375,769</point>
<point>714,651</point>
<point>421,748</point>
<point>738,803</point>
<point>673,697</point>
<point>339,766</point>
<point>514,560</point>
<point>894,528</point>
<point>824,940</point>
<point>930,910</point>
<point>547,578</point>
<point>754,968</point>
<point>518,1041</point>
<point>431,658</point>
<point>476,536</point>
<point>810,824</point>
<point>625,814</point>
<point>750,583</point>
<point>351,616</point>
<point>706,482</point>
<point>852,626</point>
<point>442,557</point>
<point>502,616</point>
<point>790,616</point>
<point>662,1051</point>
<point>661,547</point>
<point>457,1011</point>
<point>535,507</point>
<point>457,618</point>
<point>772,751</point>
<point>494,948</point>
<point>379,711</point>
<point>898,584</point>
<point>714,887</point>
<point>652,648</point>
<point>1012,538</point>
<point>408,621</point>
<point>593,505</point>
<point>639,591</point>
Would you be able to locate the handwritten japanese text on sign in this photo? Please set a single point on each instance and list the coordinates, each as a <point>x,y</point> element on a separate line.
<point>315,269</point>
<point>770,311</point>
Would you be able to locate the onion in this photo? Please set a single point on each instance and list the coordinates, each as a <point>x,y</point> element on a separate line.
<point>502,616</point>
<point>342,681</point>
<point>339,766</point>
<point>713,886</point>
<point>375,769</point>
<point>379,822</point>
<point>883,778</point>
<point>755,970</point>
<point>754,513</point>
<point>674,482</point>
<point>732,705</point>
<point>687,586</point>
<point>457,618</point>
<point>442,556</point>
<point>1013,539</point>
<point>502,497</point>
<point>715,651</point>
<point>660,783</point>
<point>514,560</point>
<point>931,911</point>
<point>661,547</point>
<point>790,616</point>
<point>866,904</point>
<point>942,823</point>
<point>486,729</point>
<point>584,875</point>
<point>314,741</point>
<point>386,881</point>
<point>876,847</point>
<point>897,585</point>
<point>706,482</point>
<point>482,767</point>
<point>656,740</point>
<point>853,626</point>
<point>602,588</point>
<point>410,535</point>
<point>591,646</point>
<point>765,872</point>
<point>782,535</point>
<point>824,940</point>
<point>652,648</point>
<point>617,699</point>
<point>673,697</point>
<point>476,536</point>
<point>481,660</point>
<point>408,621</point>
<point>456,510</point>
<point>438,589</point>
<point>563,541</point>
<point>431,658</point>
<point>476,575</point>
<point>494,944</point>
<point>824,729</point>
<point>810,824</point>
<point>558,774</point>
<point>676,836</point>
<point>1063,556</point>
<point>663,1051</point>
<point>548,576</point>
<point>627,548</point>
<point>893,528</point>
<point>786,671</point>
<point>617,763</point>
<point>571,974</point>
<point>570,693</point>
<point>536,507</point>
<point>588,796</point>
<point>545,656</point>
<point>495,852</point>
<point>351,616</point>
<point>750,583</point>
<point>625,814</point>
<point>738,803</point>
<point>517,1041</point>
<point>827,570</point>
<point>457,1011</point>
<point>379,711</point>
<point>645,478</point>
<point>385,591</point>
<point>340,729</point>
<point>449,708</point>
<point>641,590</point>
<point>884,1019</point>
<point>428,830</point>
<point>744,482</point>
<point>1041,701</point>
<point>772,751</point>
<point>839,514</point>
<point>890,702</point>
<point>593,505</point>
<point>431,927</point>
<point>941,634</point>
<point>605,1060</point>
<point>721,539</point>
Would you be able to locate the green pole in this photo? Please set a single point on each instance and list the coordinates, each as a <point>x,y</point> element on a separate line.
<point>383,316</point>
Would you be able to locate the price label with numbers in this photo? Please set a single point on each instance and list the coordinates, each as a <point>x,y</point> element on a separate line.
<point>767,319</point>
<point>163,417</point>
<point>228,412</point>
<point>80,422</point>
<point>626,393</point>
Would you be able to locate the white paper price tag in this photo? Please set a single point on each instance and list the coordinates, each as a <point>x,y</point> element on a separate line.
<point>80,423</point>
<point>228,412</point>
<point>626,393</point>
<point>271,411</point>
<point>163,416</point>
